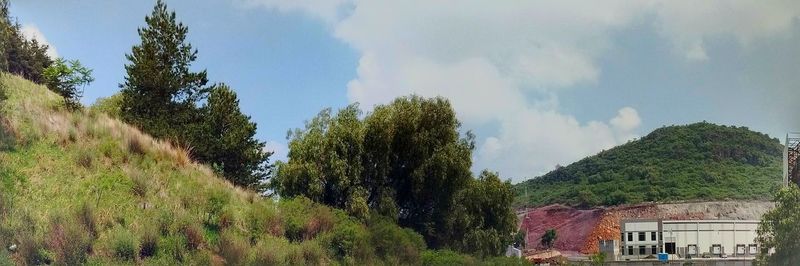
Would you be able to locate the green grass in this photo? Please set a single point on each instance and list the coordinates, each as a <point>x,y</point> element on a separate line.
<point>700,161</point>
<point>140,200</point>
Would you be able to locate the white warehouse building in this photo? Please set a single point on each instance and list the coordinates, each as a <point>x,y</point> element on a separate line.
<point>681,239</point>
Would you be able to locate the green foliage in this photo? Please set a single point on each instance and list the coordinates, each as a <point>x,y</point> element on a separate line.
<point>124,244</point>
<point>446,258</point>
<point>519,239</point>
<point>598,259</point>
<point>406,161</point>
<point>67,79</point>
<point>549,238</point>
<point>159,92</point>
<point>111,105</point>
<point>778,230</point>
<point>68,241</point>
<point>226,138</point>
<point>697,161</point>
<point>393,243</point>
<point>233,248</point>
<point>18,55</point>
<point>507,261</point>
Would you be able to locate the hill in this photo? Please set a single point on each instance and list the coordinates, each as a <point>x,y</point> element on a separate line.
<point>701,161</point>
<point>82,187</point>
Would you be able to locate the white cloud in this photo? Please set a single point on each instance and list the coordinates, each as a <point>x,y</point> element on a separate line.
<point>492,58</point>
<point>326,10</point>
<point>32,32</point>
<point>280,150</point>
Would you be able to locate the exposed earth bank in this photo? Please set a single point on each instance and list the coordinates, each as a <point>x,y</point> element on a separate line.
<point>579,230</point>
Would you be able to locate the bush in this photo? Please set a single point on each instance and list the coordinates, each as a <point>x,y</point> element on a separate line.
<point>149,240</point>
<point>263,218</point>
<point>446,257</point>
<point>307,253</point>
<point>174,247</point>
<point>124,245</point>
<point>263,254</point>
<point>350,240</point>
<point>88,219</point>
<point>393,243</point>
<point>68,241</point>
<point>233,248</point>
<point>194,236</point>
<point>306,219</point>
<point>506,261</point>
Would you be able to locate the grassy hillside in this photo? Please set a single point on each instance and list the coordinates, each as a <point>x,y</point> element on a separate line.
<point>80,187</point>
<point>692,162</point>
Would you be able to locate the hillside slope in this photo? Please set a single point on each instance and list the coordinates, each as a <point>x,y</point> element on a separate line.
<point>700,161</point>
<point>80,187</point>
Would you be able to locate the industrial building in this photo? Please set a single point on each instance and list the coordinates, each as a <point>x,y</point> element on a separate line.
<point>686,239</point>
<point>791,157</point>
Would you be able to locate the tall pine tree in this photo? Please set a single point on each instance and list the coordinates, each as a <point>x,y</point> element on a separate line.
<point>229,141</point>
<point>160,92</point>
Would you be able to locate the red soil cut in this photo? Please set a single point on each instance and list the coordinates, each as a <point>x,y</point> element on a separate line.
<point>572,226</point>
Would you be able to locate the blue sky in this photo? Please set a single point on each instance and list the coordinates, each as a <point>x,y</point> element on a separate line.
<point>541,83</point>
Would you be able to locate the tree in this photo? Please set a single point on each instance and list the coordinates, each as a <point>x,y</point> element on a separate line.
<point>407,161</point>
<point>19,55</point>
<point>549,238</point>
<point>779,230</point>
<point>160,92</point>
<point>229,141</point>
<point>519,239</point>
<point>67,78</point>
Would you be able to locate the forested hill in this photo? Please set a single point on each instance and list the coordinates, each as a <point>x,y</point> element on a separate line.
<point>701,161</point>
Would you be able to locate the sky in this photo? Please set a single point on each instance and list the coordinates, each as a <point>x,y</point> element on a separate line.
<point>540,83</point>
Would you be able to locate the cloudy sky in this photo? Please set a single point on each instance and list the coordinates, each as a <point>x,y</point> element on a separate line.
<point>540,82</point>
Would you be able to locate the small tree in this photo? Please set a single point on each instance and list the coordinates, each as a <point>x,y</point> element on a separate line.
<point>779,230</point>
<point>549,238</point>
<point>67,78</point>
<point>519,239</point>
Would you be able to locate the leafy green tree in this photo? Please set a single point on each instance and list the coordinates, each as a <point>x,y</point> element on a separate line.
<point>779,230</point>
<point>519,239</point>
<point>406,160</point>
<point>160,91</point>
<point>67,78</point>
<point>229,141</point>
<point>549,238</point>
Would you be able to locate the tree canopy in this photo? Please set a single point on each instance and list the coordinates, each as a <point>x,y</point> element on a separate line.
<point>160,91</point>
<point>67,79</point>
<point>18,55</point>
<point>406,160</point>
<point>779,230</point>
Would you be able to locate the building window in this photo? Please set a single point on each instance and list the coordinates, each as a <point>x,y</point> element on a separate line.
<point>642,250</point>
<point>654,249</point>
<point>630,250</point>
<point>740,249</point>
<point>661,236</point>
<point>653,236</point>
<point>641,236</point>
<point>716,249</point>
<point>753,249</point>
<point>630,236</point>
<point>669,248</point>
<point>622,237</point>
<point>691,250</point>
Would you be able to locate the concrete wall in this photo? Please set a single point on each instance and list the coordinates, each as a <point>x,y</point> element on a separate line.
<point>729,262</point>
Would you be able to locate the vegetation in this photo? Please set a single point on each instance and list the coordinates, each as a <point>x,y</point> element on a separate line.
<point>549,238</point>
<point>778,230</point>
<point>57,210</point>
<point>19,55</point>
<point>67,78</point>
<point>700,161</point>
<point>406,161</point>
<point>161,94</point>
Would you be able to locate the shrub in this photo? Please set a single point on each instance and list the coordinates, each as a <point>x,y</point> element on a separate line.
<point>124,245</point>
<point>84,159</point>
<point>68,241</point>
<point>140,184</point>
<point>216,203</point>
<point>391,242</point>
<point>506,261</point>
<point>88,219</point>
<point>136,144</point>
<point>174,247</point>
<point>350,240</point>
<point>194,236</point>
<point>149,241</point>
<point>262,254</point>
<point>263,218</point>
<point>232,248</point>
<point>446,257</point>
<point>306,219</point>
